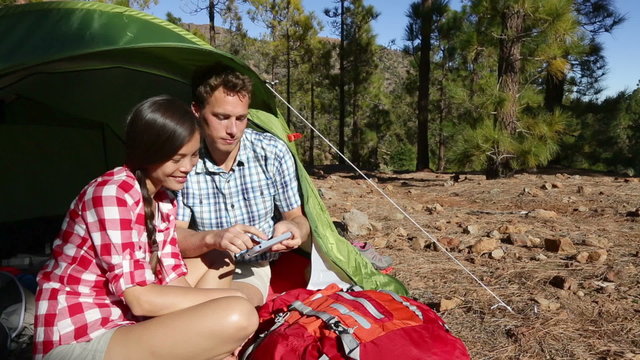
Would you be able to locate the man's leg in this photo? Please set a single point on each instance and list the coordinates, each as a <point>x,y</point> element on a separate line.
<point>252,279</point>
<point>211,270</point>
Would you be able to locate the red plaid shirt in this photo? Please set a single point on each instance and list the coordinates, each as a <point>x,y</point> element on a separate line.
<point>102,250</point>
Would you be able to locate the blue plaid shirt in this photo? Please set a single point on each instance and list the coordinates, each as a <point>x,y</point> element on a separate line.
<point>262,176</point>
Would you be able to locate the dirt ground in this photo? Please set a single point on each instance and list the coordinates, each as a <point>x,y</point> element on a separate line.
<point>560,249</point>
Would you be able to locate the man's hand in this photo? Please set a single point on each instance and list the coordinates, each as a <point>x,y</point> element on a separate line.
<point>290,244</point>
<point>233,239</point>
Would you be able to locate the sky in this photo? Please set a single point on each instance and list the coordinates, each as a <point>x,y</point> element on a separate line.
<point>621,48</point>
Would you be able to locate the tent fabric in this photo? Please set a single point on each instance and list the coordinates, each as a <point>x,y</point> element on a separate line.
<point>69,74</point>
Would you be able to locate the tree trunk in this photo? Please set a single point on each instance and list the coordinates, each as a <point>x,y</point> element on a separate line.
<point>212,22</point>
<point>509,67</point>
<point>342,104</point>
<point>498,164</point>
<point>443,110</point>
<point>422,161</point>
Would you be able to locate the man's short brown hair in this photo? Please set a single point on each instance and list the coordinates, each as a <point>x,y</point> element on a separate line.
<point>205,83</point>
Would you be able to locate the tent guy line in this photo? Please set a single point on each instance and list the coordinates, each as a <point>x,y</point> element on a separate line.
<point>429,236</point>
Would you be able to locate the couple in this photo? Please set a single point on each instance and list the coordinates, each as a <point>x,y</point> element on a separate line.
<point>117,286</point>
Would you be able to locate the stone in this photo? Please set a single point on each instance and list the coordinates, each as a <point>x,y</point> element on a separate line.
<point>580,293</point>
<point>531,192</point>
<point>546,186</point>
<point>448,183</point>
<point>449,304</point>
<point>484,245</point>
<point>597,242</point>
<point>418,244</point>
<point>471,229</point>
<point>449,243</point>
<point>434,209</point>
<point>542,214</point>
<point>400,232</point>
<point>497,254</point>
<point>546,304</point>
<point>536,242</point>
<point>583,190</point>
<point>540,257</point>
<point>440,225</point>
<point>582,257</point>
<point>557,185</point>
<point>582,209</point>
<point>397,216</point>
<point>598,256</point>
<point>564,283</point>
<point>494,234</point>
<point>559,245</point>
<point>513,229</point>
<point>357,222</point>
<point>521,240</point>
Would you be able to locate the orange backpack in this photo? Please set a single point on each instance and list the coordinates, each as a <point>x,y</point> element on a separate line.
<point>333,324</point>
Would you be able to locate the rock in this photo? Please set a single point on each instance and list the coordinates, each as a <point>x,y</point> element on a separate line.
<point>536,242</point>
<point>531,192</point>
<point>497,254</point>
<point>376,225</point>
<point>580,293</point>
<point>449,243</point>
<point>418,244</point>
<point>597,242</point>
<point>471,229</point>
<point>582,257</point>
<point>397,216</point>
<point>448,183</point>
<point>494,234</point>
<point>583,190</point>
<point>400,232</point>
<point>634,213</point>
<point>568,199</point>
<point>557,185</point>
<point>448,304</point>
<point>434,209</point>
<point>612,276</point>
<point>380,242</point>
<point>440,225</point>
<point>564,283</point>
<point>598,256</point>
<point>357,222</point>
<point>513,229</point>
<point>521,240</point>
<point>546,304</point>
<point>560,245</point>
<point>582,209</point>
<point>546,186</point>
<point>484,245</point>
<point>540,257</point>
<point>542,214</point>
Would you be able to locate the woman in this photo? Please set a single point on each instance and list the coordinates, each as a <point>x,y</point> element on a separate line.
<point>116,286</point>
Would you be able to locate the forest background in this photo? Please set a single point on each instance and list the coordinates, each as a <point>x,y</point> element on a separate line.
<point>476,85</point>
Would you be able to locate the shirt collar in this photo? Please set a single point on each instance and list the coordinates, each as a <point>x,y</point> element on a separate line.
<point>206,164</point>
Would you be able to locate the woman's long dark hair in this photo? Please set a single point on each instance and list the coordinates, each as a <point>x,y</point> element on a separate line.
<point>156,130</point>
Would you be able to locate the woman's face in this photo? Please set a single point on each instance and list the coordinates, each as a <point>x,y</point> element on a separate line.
<point>172,175</point>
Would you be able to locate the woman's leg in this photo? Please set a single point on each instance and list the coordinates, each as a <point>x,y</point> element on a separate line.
<point>211,330</point>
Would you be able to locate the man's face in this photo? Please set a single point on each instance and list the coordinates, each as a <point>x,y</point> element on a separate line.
<point>224,117</point>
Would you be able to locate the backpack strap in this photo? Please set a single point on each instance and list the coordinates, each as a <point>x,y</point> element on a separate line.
<point>404,302</point>
<point>364,302</point>
<point>349,342</point>
<point>279,320</point>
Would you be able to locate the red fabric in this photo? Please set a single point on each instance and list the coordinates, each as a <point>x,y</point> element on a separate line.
<point>399,334</point>
<point>289,272</point>
<point>102,250</point>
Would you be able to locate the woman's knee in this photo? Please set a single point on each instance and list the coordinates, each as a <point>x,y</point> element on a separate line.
<point>238,315</point>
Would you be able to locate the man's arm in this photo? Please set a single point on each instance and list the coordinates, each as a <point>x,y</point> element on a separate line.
<point>233,239</point>
<point>295,222</point>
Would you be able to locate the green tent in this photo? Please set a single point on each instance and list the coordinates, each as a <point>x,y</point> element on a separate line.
<point>69,74</point>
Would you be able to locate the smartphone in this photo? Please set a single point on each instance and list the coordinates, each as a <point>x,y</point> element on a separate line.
<point>263,246</point>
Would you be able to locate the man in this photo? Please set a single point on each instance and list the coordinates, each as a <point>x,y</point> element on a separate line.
<point>241,179</point>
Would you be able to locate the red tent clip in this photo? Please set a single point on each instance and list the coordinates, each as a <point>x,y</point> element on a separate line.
<point>294,136</point>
